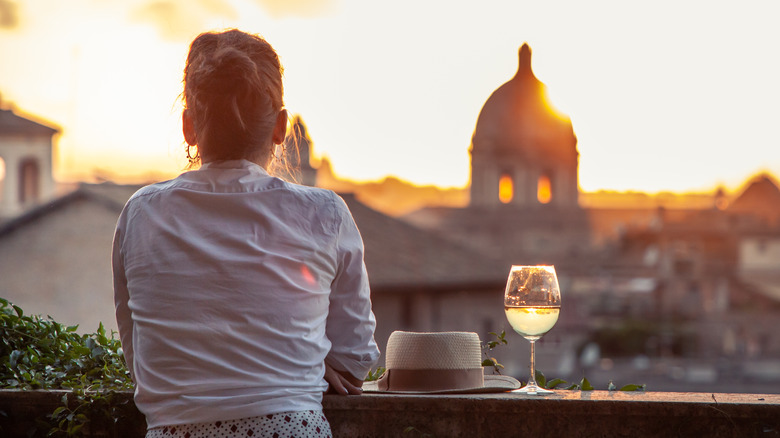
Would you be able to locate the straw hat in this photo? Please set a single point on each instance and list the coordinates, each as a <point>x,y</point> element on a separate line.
<point>437,363</point>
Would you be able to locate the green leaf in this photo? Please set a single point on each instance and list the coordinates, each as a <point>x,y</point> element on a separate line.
<point>633,388</point>
<point>585,385</point>
<point>501,338</point>
<point>488,363</point>
<point>611,386</point>
<point>552,384</point>
<point>97,352</point>
<point>540,379</point>
<point>374,375</point>
<point>573,386</point>
<point>13,358</point>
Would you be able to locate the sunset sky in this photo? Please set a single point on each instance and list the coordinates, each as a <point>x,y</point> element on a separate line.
<point>663,95</point>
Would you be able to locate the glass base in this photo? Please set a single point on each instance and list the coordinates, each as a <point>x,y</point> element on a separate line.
<point>533,390</point>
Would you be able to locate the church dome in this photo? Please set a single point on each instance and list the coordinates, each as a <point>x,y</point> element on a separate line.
<point>517,120</point>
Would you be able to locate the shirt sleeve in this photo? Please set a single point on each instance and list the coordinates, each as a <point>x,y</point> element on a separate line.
<point>121,298</point>
<point>351,323</point>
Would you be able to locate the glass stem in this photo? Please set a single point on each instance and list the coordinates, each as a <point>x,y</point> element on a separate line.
<point>532,379</point>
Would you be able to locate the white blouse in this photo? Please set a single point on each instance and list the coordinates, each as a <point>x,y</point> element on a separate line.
<point>231,289</point>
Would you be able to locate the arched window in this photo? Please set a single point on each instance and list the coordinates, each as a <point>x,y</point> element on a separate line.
<point>29,181</point>
<point>544,189</point>
<point>506,189</point>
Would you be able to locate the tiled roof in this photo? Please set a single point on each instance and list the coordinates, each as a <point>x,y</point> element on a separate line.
<point>402,256</point>
<point>110,192</point>
<point>10,123</point>
<point>111,196</point>
<point>510,233</point>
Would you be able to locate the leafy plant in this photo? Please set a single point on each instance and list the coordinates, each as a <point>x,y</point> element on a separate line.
<point>488,347</point>
<point>39,353</point>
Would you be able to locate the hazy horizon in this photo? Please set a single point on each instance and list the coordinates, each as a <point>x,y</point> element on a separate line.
<point>662,96</point>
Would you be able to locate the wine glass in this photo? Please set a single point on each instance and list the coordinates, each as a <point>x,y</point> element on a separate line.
<point>532,302</point>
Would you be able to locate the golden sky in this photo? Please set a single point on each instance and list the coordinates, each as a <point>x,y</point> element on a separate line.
<point>663,95</point>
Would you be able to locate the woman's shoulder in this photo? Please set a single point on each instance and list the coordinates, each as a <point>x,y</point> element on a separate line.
<point>151,189</point>
<point>317,195</point>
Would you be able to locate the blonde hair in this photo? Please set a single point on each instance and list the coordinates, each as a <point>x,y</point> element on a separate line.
<point>233,92</point>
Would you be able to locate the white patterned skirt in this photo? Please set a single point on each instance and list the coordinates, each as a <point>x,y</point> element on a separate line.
<point>301,424</point>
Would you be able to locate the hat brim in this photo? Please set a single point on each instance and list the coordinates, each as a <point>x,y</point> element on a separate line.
<point>492,384</point>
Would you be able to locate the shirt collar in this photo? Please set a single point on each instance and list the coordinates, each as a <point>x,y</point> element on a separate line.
<point>234,164</point>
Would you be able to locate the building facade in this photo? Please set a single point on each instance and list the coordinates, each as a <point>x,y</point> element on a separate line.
<point>26,163</point>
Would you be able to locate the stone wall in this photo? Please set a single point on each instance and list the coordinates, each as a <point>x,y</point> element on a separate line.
<point>564,414</point>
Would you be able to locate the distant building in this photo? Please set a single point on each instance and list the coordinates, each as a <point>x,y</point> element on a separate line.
<point>523,153</point>
<point>524,181</point>
<point>714,271</point>
<point>26,161</point>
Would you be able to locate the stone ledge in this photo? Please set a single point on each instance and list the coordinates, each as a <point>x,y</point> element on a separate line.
<point>566,413</point>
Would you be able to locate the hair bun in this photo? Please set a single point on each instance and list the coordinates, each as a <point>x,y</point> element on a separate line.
<point>228,72</point>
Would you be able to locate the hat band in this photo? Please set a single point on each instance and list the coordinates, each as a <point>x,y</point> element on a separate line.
<point>430,380</point>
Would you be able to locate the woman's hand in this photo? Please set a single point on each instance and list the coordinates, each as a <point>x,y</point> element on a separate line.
<point>341,382</point>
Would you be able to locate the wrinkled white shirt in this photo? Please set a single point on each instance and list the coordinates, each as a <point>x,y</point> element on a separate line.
<point>231,289</point>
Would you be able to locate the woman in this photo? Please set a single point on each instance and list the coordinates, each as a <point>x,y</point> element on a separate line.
<point>239,297</point>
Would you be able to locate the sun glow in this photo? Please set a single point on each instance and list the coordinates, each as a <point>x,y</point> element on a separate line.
<point>554,109</point>
<point>115,95</point>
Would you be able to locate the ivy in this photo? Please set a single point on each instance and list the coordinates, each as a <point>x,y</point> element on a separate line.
<point>39,353</point>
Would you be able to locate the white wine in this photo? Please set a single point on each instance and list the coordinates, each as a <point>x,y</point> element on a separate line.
<point>532,321</point>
